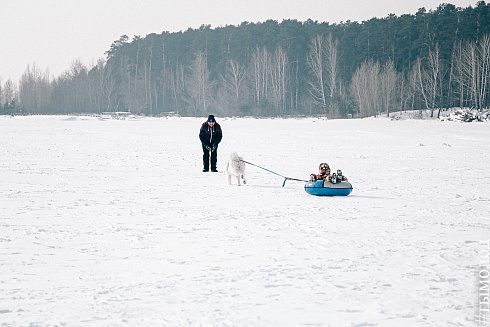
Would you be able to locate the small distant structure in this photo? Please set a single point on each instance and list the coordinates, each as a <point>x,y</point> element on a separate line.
<point>119,115</point>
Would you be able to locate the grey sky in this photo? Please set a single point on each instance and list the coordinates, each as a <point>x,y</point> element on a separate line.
<point>52,33</point>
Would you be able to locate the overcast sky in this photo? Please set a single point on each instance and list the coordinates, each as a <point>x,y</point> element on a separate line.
<point>52,33</point>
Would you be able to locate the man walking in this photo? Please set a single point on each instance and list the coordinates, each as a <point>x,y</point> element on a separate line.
<point>210,136</point>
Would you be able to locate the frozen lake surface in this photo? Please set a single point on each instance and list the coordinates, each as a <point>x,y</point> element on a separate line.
<point>110,222</point>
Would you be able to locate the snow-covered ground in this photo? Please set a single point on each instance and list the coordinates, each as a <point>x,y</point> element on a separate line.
<point>112,223</point>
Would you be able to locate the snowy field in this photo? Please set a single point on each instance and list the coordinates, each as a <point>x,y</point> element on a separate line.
<point>113,223</point>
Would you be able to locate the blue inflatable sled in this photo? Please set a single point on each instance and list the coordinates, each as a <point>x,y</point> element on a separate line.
<point>325,188</point>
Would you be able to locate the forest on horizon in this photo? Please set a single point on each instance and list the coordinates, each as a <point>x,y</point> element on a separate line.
<point>428,60</point>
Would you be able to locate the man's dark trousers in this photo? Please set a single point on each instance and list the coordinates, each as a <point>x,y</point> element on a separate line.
<point>205,158</point>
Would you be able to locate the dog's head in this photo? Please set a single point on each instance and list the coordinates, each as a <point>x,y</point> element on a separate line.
<point>234,156</point>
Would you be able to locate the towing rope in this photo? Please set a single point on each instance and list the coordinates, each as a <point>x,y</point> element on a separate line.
<point>270,171</point>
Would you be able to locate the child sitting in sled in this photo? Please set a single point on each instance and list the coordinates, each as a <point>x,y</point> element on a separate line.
<point>325,175</point>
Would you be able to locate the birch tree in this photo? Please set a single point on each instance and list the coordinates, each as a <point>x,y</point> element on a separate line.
<point>332,64</point>
<point>323,66</point>
<point>165,78</point>
<point>317,82</point>
<point>279,80</point>
<point>177,84</point>
<point>105,86</point>
<point>483,70</point>
<point>199,84</point>
<point>474,67</point>
<point>470,69</point>
<point>260,65</point>
<point>365,89</point>
<point>388,81</point>
<point>419,79</point>
<point>433,78</point>
<point>234,81</point>
<point>471,72</point>
<point>455,88</point>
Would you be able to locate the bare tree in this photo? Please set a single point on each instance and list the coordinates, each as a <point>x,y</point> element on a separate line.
<point>260,65</point>
<point>405,91</point>
<point>412,81</point>
<point>148,80</point>
<point>199,84</point>
<point>35,90</point>
<point>332,63</point>
<point>483,70</point>
<point>235,78</point>
<point>79,86</point>
<point>470,72</point>
<point>433,78</point>
<point>9,93</point>
<point>7,97</point>
<point>474,65</point>
<point>365,89</point>
<point>419,78</point>
<point>322,61</point>
<point>165,78</point>
<point>234,83</point>
<point>388,80</point>
<point>177,84</point>
<point>316,61</point>
<point>279,80</point>
<point>452,89</point>
<point>105,86</point>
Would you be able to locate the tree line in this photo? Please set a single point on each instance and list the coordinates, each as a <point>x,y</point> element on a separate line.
<point>428,60</point>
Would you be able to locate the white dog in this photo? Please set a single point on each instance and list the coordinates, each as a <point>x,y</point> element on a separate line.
<point>235,166</point>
